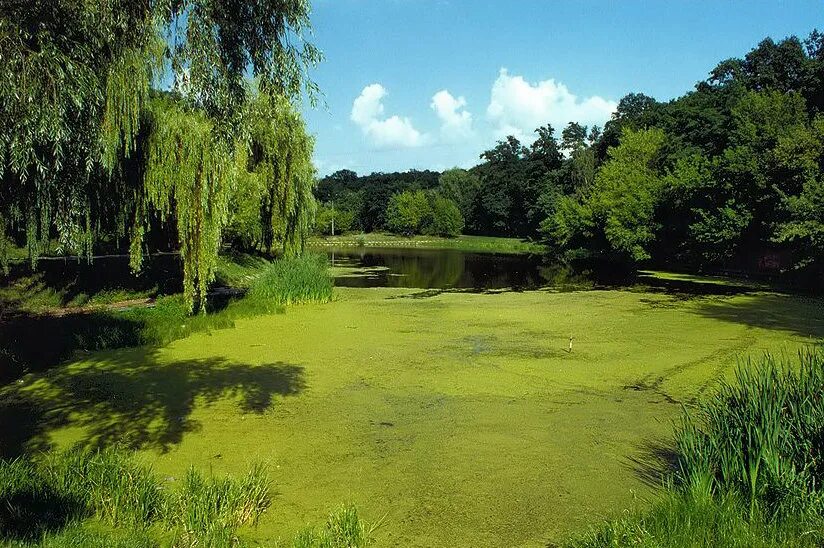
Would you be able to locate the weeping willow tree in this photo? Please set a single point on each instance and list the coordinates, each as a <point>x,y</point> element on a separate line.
<point>281,160</point>
<point>87,147</point>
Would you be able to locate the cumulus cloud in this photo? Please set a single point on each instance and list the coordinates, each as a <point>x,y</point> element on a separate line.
<point>517,107</point>
<point>391,132</point>
<point>456,121</point>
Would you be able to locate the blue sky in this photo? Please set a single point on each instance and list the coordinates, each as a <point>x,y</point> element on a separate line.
<point>432,83</point>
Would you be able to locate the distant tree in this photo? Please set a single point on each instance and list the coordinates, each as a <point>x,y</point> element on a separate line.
<point>573,137</point>
<point>500,204</point>
<point>634,111</point>
<point>626,193</point>
<point>446,219</point>
<point>408,212</point>
<point>460,186</point>
<point>618,214</point>
<point>802,153</point>
<point>327,214</point>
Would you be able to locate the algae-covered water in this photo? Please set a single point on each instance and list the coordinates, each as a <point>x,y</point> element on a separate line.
<point>457,419</point>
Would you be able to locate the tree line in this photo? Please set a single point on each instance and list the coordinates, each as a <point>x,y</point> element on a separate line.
<point>729,175</point>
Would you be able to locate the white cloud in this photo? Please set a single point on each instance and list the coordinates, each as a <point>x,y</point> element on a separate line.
<point>367,112</point>
<point>456,121</point>
<point>517,107</point>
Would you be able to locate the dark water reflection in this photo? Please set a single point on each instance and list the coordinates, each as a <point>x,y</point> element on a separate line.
<point>448,269</point>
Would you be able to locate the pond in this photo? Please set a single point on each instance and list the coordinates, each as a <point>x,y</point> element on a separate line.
<point>424,268</point>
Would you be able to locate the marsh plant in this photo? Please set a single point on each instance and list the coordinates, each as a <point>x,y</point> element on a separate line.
<point>762,436</point>
<point>208,510</point>
<point>343,528</point>
<point>749,466</point>
<point>291,281</point>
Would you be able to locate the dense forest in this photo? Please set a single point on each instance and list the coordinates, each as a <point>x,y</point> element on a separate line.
<point>727,176</point>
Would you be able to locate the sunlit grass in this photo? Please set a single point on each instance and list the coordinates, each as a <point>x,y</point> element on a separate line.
<point>463,242</point>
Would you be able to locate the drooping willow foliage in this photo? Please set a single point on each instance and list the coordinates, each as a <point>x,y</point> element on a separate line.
<point>88,146</point>
<point>281,159</point>
<point>188,178</point>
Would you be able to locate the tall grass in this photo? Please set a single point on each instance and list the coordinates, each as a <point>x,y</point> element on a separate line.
<point>750,467</point>
<point>111,484</point>
<point>762,436</point>
<point>343,529</point>
<point>47,501</point>
<point>291,281</point>
<point>80,498</point>
<point>695,517</point>
<point>60,488</point>
<point>208,511</point>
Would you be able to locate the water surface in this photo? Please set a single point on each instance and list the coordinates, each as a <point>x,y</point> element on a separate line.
<point>424,268</point>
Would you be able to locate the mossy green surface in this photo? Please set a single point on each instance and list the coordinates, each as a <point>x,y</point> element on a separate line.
<point>457,419</point>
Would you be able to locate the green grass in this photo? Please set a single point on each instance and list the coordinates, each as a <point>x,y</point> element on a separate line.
<point>459,417</point>
<point>693,518</point>
<point>343,528</point>
<point>464,243</point>
<point>81,497</point>
<point>291,281</point>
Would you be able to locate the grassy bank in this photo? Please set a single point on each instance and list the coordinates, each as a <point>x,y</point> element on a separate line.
<point>460,419</point>
<point>265,287</point>
<point>479,244</point>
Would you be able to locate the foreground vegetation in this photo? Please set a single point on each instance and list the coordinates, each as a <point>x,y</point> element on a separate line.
<point>108,498</point>
<point>748,467</point>
<point>412,399</point>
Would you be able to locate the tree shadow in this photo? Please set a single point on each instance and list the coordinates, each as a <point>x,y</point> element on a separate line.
<point>29,512</point>
<point>36,342</point>
<point>656,465</point>
<point>75,280</point>
<point>132,400</point>
<point>801,315</point>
